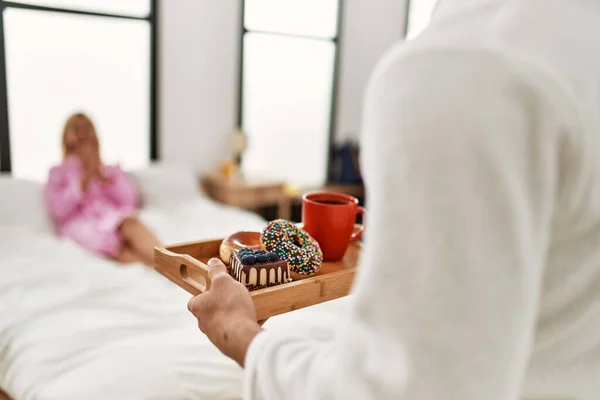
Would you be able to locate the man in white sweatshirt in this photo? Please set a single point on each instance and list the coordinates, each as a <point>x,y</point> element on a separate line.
<point>480,278</point>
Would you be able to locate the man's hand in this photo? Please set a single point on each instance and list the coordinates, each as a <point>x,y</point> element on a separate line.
<point>226,313</point>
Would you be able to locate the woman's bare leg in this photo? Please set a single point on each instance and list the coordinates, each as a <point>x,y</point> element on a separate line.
<point>140,239</point>
<point>127,256</point>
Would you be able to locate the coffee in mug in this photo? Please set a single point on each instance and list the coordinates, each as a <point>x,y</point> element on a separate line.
<point>330,219</point>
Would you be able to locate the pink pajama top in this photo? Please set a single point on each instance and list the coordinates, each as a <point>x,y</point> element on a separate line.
<point>90,218</point>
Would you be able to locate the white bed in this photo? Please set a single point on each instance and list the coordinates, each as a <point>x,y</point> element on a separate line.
<point>75,326</point>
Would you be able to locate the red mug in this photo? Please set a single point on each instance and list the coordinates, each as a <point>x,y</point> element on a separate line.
<point>330,219</point>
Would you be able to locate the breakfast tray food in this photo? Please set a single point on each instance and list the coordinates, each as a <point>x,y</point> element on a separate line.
<point>185,265</point>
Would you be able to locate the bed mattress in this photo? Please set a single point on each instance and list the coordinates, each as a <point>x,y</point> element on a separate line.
<point>75,326</point>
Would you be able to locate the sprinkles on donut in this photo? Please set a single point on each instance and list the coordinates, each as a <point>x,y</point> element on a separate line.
<point>294,245</point>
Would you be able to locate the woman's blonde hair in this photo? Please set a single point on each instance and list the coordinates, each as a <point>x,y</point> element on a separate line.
<point>69,124</point>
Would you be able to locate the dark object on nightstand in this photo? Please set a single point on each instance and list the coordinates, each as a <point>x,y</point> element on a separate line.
<point>345,166</point>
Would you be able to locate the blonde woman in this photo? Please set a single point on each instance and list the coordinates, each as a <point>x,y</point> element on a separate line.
<point>94,204</point>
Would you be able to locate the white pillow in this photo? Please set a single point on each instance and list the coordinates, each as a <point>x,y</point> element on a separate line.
<point>22,204</point>
<point>166,185</point>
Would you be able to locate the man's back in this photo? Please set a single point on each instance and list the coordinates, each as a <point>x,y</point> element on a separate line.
<point>480,275</point>
<point>555,43</point>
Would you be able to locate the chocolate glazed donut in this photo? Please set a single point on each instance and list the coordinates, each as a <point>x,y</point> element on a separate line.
<point>294,245</point>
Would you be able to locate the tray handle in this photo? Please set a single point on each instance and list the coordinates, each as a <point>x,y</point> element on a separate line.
<point>183,270</point>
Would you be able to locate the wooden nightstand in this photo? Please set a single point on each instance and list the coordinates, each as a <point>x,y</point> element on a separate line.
<point>253,195</point>
<point>247,194</point>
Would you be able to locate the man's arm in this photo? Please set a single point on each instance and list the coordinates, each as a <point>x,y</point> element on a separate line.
<point>460,158</point>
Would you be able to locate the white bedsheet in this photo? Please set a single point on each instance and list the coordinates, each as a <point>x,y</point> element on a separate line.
<point>74,326</point>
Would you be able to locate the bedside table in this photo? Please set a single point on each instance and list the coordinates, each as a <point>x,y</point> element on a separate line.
<point>247,194</point>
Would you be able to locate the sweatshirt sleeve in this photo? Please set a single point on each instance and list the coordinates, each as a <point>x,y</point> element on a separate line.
<point>459,153</point>
<point>121,189</point>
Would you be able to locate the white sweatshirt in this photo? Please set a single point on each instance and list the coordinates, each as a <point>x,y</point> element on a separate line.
<point>480,277</point>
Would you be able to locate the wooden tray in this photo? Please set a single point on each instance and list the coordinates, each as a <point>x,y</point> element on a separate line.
<point>185,265</point>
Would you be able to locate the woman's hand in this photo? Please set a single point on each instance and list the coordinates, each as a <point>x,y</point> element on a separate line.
<point>91,169</point>
<point>94,172</point>
<point>105,179</point>
<point>226,313</point>
<point>86,179</point>
<point>92,165</point>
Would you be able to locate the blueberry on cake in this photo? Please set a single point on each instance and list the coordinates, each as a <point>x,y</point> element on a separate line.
<point>258,269</point>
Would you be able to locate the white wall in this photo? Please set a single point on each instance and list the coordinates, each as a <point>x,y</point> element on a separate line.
<point>369,29</point>
<point>199,50</point>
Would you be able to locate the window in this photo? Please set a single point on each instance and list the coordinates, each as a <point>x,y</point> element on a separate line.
<point>289,57</point>
<point>419,13</point>
<point>135,8</point>
<point>59,61</point>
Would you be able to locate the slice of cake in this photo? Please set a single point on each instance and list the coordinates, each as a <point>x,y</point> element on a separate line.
<point>258,269</point>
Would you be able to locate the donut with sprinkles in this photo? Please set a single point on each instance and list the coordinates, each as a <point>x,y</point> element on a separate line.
<point>296,246</point>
